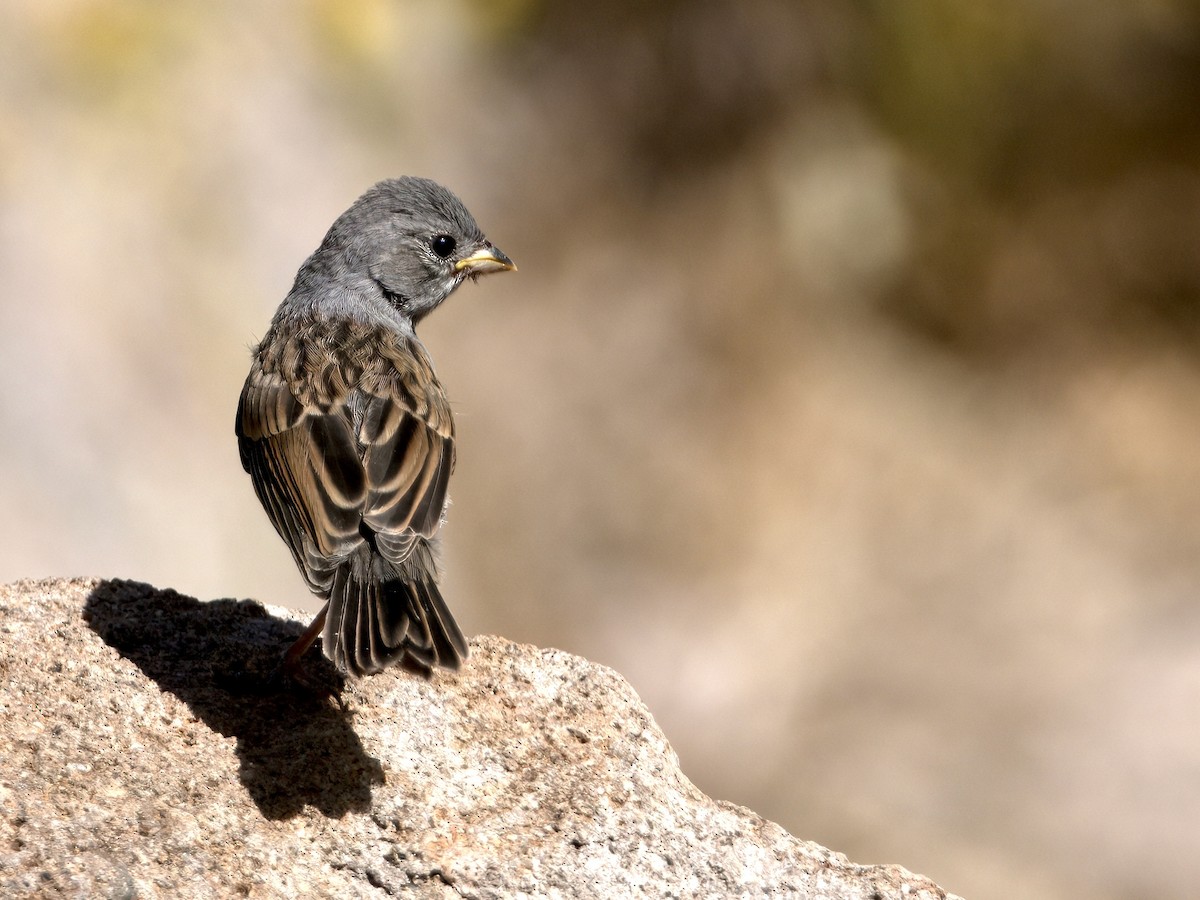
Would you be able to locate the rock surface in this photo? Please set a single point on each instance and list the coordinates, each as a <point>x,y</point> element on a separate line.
<point>144,754</point>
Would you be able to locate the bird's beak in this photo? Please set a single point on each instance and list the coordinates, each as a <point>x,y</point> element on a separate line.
<point>486,259</point>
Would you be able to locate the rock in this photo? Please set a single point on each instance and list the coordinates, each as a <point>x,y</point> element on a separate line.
<point>143,754</point>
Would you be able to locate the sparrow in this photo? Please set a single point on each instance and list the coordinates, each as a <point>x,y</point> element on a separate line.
<point>348,435</point>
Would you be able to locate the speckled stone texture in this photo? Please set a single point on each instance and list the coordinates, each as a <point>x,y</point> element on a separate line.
<point>143,753</point>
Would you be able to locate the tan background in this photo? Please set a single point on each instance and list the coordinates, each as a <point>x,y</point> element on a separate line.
<point>847,400</point>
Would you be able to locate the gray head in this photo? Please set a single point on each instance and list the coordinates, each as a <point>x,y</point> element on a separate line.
<point>414,239</point>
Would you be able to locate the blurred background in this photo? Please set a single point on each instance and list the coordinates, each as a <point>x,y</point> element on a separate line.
<point>847,400</point>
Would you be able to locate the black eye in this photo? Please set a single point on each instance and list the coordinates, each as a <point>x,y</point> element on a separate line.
<point>443,245</point>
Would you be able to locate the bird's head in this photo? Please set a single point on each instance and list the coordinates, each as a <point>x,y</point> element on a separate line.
<point>416,241</point>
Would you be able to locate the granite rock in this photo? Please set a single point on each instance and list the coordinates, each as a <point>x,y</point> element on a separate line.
<point>144,752</point>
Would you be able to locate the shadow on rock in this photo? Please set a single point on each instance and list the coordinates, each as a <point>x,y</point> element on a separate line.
<point>296,747</point>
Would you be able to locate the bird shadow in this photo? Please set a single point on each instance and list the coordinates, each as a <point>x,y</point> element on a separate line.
<point>296,748</point>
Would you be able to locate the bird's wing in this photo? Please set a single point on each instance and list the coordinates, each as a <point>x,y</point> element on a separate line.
<point>348,438</point>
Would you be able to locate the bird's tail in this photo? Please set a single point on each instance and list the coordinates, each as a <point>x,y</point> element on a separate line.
<point>375,620</point>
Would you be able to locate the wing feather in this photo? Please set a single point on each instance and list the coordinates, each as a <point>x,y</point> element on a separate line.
<point>343,428</point>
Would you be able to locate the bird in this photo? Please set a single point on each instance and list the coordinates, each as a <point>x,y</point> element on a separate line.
<point>348,435</point>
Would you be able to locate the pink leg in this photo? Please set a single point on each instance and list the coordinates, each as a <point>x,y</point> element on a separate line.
<point>291,659</point>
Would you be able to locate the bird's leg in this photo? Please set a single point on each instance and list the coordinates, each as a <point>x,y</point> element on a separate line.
<point>288,670</point>
<point>291,660</point>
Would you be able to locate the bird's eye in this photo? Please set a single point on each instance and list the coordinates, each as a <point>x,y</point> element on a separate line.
<point>443,245</point>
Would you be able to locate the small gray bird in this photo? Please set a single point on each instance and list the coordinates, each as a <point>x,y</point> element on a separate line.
<point>347,434</point>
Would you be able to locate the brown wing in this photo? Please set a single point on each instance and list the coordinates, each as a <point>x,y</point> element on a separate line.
<point>348,438</point>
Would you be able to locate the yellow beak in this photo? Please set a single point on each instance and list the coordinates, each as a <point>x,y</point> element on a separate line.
<point>486,259</point>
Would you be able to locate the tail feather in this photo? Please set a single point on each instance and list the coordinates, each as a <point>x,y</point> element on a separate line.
<point>343,603</point>
<point>365,654</point>
<point>374,622</point>
<point>447,638</point>
<point>393,623</point>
